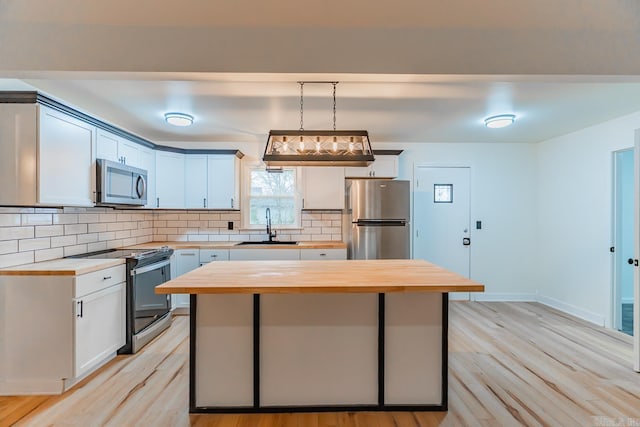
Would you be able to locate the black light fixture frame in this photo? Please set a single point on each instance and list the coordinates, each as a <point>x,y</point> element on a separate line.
<point>361,157</point>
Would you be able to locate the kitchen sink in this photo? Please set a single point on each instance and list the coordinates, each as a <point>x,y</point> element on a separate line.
<point>266,242</point>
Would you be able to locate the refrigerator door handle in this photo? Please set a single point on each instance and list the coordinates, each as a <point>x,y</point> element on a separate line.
<point>380,222</point>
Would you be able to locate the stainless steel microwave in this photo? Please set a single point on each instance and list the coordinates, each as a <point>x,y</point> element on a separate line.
<point>119,184</point>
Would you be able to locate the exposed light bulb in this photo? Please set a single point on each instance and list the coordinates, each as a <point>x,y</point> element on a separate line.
<point>351,145</point>
<point>285,144</point>
<point>335,144</point>
<point>301,143</point>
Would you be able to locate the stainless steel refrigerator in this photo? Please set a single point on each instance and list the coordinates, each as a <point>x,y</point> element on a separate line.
<point>376,219</point>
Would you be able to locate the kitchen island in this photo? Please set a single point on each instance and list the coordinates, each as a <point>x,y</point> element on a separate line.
<point>281,336</point>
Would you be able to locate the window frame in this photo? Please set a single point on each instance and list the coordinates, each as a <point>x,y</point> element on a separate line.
<point>246,199</point>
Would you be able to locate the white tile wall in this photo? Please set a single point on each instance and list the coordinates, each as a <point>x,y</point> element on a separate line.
<point>201,226</point>
<point>40,234</point>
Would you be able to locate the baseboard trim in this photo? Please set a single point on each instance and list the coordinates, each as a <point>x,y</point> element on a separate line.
<point>573,310</point>
<point>21,387</point>
<point>505,297</point>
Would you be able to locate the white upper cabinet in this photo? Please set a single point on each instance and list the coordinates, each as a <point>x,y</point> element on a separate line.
<point>212,181</point>
<point>323,188</point>
<point>195,181</point>
<point>66,156</point>
<point>223,189</point>
<point>169,180</point>
<point>117,149</point>
<point>147,160</point>
<point>385,166</point>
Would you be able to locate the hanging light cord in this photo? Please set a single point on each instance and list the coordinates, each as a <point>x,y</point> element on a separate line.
<point>301,105</point>
<point>334,105</point>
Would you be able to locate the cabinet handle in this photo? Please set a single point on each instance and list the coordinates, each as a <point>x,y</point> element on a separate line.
<point>188,254</point>
<point>106,278</point>
<point>80,312</point>
<point>302,203</point>
<point>157,202</point>
<point>232,203</point>
<point>323,254</point>
<point>214,256</point>
<point>204,202</point>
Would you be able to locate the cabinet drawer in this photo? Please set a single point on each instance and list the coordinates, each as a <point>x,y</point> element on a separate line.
<point>209,255</point>
<point>92,282</point>
<point>315,254</point>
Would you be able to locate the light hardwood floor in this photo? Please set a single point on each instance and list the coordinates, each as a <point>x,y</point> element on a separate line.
<point>510,364</point>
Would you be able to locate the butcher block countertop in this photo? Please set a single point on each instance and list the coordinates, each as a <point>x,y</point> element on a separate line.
<point>61,267</point>
<point>236,245</point>
<point>340,276</point>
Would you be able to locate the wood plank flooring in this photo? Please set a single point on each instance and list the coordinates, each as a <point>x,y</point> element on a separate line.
<point>510,364</point>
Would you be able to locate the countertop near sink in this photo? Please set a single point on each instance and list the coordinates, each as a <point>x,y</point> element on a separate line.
<point>236,246</point>
<point>61,267</point>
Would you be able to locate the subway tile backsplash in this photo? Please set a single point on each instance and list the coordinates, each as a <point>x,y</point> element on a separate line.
<point>39,234</point>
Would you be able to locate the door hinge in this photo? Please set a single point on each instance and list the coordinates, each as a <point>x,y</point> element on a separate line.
<point>612,249</point>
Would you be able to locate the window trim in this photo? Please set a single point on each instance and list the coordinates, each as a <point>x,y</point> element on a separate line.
<point>246,199</point>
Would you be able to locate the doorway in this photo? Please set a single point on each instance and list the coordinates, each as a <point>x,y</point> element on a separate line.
<point>441,218</point>
<point>623,240</point>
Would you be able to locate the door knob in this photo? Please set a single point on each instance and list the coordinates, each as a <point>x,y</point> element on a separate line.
<point>466,241</point>
<point>630,261</point>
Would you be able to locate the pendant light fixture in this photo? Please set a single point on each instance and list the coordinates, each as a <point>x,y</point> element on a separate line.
<point>318,147</point>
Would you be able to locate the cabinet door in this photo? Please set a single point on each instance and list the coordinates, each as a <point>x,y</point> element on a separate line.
<point>223,181</point>
<point>67,153</point>
<point>264,254</point>
<point>129,153</point>
<point>169,180</point>
<point>99,326</point>
<point>357,172</point>
<point>195,181</point>
<point>148,162</point>
<point>385,167</point>
<point>107,146</point>
<point>213,255</point>
<point>322,254</point>
<point>186,260</point>
<point>323,188</point>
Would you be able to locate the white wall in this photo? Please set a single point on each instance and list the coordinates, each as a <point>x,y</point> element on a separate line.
<point>503,196</point>
<point>574,212</point>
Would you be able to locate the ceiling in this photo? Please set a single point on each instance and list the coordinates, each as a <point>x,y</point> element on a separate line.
<point>409,70</point>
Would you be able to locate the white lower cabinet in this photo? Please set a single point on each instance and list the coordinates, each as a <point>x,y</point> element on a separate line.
<point>322,254</point>
<point>185,261</point>
<point>63,328</point>
<point>264,254</point>
<point>96,337</point>
<point>213,255</point>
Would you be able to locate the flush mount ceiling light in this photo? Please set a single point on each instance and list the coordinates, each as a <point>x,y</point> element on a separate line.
<point>178,119</point>
<point>499,121</point>
<point>318,147</point>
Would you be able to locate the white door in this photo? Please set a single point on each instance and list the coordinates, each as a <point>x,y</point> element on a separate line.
<point>441,217</point>
<point>623,238</point>
<point>636,275</point>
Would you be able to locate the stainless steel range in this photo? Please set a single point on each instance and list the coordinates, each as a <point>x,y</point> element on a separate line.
<point>148,313</point>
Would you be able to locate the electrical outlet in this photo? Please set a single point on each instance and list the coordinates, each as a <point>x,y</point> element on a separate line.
<point>230,225</point>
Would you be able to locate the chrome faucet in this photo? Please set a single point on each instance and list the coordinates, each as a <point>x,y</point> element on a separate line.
<point>270,233</point>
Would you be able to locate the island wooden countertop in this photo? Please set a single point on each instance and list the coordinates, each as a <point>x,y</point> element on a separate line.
<point>340,276</point>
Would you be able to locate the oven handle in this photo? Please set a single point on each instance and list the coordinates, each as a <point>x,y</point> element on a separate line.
<point>147,268</point>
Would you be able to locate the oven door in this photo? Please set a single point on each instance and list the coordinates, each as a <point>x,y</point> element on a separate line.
<point>147,305</point>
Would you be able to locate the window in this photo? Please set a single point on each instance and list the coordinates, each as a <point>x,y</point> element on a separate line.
<point>442,193</point>
<point>276,191</point>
